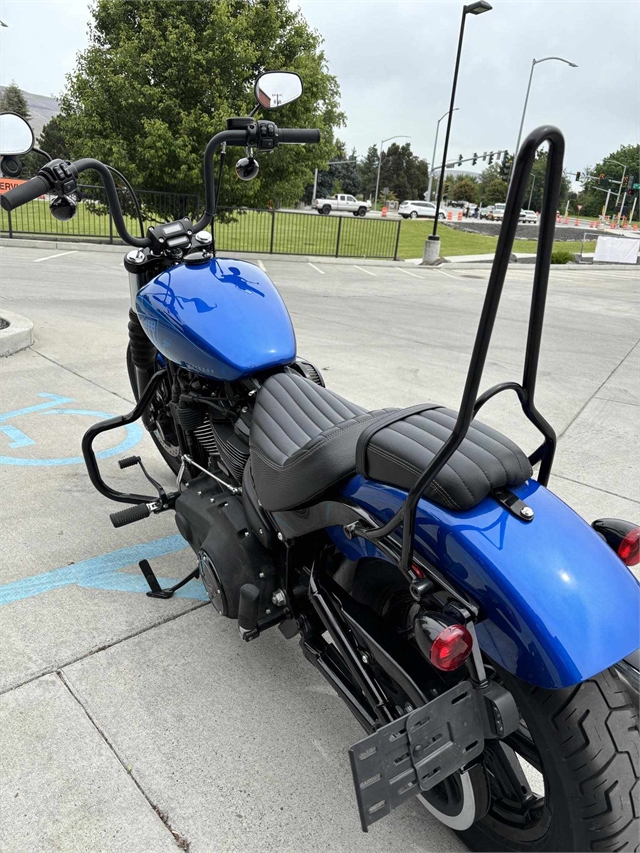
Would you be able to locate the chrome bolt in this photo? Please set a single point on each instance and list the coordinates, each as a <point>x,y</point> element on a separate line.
<point>526,512</point>
<point>212,500</point>
<point>267,611</point>
<point>280,536</point>
<point>261,531</point>
<point>279,599</point>
<point>199,494</point>
<point>261,575</point>
<point>365,659</point>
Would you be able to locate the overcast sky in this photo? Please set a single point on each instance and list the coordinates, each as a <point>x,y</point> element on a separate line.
<point>394,61</point>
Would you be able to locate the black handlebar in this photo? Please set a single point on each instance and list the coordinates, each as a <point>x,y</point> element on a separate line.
<point>29,191</point>
<point>298,135</point>
<point>35,187</point>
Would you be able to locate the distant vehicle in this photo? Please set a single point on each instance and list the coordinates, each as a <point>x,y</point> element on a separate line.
<point>497,214</point>
<point>485,211</point>
<point>342,201</point>
<point>415,209</point>
<point>460,203</point>
<point>528,216</point>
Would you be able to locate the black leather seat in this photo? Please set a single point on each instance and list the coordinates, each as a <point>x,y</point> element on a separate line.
<point>304,440</point>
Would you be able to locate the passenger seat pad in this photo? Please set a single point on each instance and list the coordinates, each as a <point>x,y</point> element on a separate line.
<point>399,452</point>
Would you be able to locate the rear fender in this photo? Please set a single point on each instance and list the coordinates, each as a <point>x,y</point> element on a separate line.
<point>557,604</point>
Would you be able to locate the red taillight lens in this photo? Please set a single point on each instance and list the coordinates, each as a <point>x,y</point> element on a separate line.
<point>451,648</point>
<point>629,548</point>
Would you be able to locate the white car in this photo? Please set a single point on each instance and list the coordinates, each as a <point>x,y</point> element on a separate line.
<point>414,209</point>
<point>497,214</point>
<point>528,216</point>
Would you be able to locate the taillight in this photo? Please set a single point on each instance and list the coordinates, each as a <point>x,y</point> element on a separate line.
<point>451,648</point>
<point>629,548</point>
<point>444,643</point>
<point>622,536</point>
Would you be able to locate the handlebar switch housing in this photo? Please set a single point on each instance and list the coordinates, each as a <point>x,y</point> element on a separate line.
<point>61,175</point>
<point>267,135</point>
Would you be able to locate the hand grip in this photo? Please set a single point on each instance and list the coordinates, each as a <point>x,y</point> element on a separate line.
<point>129,515</point>
<point>23,193</point>
<point>298,135</point>
<point>248,607</point>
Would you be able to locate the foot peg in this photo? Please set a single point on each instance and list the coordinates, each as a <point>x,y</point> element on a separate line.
<point>248,610</point>
<point>129,515</point>
<point>156,591</point>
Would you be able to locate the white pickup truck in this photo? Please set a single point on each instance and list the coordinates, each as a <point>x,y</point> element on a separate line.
<point>342,201</point>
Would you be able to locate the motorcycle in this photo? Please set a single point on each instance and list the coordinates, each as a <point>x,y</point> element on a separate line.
<point>476,627</point>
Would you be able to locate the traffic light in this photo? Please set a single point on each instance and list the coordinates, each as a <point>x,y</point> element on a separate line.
<point>491,158</point>
<point>475,159</point>
<point>630,183</point>
<point>498,155</point>
<point>484,156</point>
<point>459,163</point>
<point>506,166</point>
<point>578,175</point>
<point>602,176</point>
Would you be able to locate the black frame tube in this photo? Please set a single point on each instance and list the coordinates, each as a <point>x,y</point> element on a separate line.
<point>470,402</point>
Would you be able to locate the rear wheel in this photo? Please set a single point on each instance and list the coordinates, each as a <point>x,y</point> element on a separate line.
<point>567,779</point>
<point>326,209</point>
<point>414,214</point>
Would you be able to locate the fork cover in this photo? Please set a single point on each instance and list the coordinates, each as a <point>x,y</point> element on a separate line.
<point>416,752</point>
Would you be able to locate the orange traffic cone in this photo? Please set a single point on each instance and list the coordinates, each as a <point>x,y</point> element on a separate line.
<point>384,211</point>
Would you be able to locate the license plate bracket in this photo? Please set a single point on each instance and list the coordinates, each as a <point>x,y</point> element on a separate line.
<point>416,752</point>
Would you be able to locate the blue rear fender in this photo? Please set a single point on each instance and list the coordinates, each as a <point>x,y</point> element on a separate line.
<point>557,604</point>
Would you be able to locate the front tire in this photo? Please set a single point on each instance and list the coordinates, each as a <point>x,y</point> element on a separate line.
<point>586,741</point>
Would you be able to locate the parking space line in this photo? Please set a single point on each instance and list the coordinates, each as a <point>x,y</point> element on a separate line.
<point>57,255</point>
<point>407,272</point>
<point>262,266</point>
<point>457,278</point>
<point>317,269</point>
<point>368,272</point>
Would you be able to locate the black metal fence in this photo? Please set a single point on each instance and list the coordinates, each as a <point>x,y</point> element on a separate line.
<point>264,230</point>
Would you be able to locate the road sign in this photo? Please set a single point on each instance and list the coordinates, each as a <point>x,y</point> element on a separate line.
<point>579,207</point>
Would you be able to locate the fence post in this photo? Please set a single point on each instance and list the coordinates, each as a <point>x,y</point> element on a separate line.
<point>395,251</point>
<point>10,225</point>
<point>273,225</point>
<point>338,235</point>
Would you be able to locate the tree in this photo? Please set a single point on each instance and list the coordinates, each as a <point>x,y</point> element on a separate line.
<point>591,197</point>
<point>52,139</point>
<point>13,101</point>
<point>405,174</point>
<point>495,192</point>
<point>347,175</point>
<point>368,170</point>
<point>465,189</point>
<point>538,171</point>
<point>158,80</point>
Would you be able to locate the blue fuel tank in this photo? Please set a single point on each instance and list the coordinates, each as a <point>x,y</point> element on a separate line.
<point>222,318</point>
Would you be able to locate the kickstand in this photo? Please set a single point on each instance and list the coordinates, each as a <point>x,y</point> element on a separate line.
<point>154,586</point>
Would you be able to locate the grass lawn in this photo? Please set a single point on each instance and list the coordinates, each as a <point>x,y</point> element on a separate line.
<point>454,242</point>
<point>289,233</point>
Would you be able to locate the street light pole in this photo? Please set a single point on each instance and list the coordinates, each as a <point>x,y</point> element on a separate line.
<point>526,99</point>
<point>388,139</point>
<point>433,159</point>
<point>476,8</point>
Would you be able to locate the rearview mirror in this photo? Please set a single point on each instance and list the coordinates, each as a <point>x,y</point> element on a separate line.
<point>274,89</point>
<point>16,136</point>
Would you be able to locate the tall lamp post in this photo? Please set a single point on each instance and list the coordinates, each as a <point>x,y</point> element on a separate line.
<point>526,99</point>
<point>433,159</point>
<point>432,247</point>
<point>375,205</point>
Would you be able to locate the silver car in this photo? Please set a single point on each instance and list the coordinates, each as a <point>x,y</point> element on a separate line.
<point>415,209</point>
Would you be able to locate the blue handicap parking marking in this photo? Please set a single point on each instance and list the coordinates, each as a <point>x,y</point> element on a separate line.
<point>18,438</point>
<point>104,573</point>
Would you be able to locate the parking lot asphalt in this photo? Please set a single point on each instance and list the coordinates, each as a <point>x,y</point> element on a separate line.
<point>138,725</point>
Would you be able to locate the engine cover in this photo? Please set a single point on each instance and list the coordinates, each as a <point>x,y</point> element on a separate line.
<point>229,555</point>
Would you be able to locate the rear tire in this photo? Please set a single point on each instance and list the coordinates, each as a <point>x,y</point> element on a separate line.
<point>413,214</point>
<point>326,210</point>
<point>587,739</point>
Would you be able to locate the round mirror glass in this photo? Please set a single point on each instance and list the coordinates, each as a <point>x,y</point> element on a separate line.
<point>277,88</point>
<point>16,137</point>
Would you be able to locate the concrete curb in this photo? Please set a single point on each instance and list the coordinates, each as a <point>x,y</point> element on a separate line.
<point>18,334</point>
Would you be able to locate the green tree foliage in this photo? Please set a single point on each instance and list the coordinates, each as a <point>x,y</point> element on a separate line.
<point>538,171</point>
<point>406,175</point>
<point>52,139</point>
<point>347,175</point>
<point>591,196</point>
<point>465,189</point>
<point>368,169</point>
<point>13,101</point>
<point>495,192</point>
<point>488,176</point>
<point>158,80</point>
